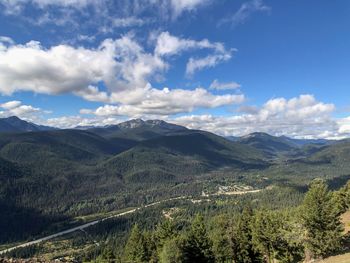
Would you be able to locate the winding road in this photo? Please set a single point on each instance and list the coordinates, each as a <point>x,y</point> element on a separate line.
<point>82,227</point>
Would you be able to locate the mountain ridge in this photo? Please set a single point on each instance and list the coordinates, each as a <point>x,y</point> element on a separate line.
<point>15,124</point>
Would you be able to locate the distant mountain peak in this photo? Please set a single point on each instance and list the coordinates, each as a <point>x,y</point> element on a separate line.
<point>138,123</point>
<point>131,124</point>
<point>15,124</point>
<point>13,118</point>
<point>256,135</point>
<point>138,129</point>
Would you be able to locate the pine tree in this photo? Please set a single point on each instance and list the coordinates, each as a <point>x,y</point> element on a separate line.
<point>276,236</point>
<point>198,246</point>
<point>288,246</point>
<point>342,199</point>
<point>108,254</point>
<point>136,249</point>
<point>265,236</point>
<point>220,236</point>
<point>151,248</point>
<point>172,251</point>
<point>321,221</point>
<point>241,238</point>
<point>165,231</point>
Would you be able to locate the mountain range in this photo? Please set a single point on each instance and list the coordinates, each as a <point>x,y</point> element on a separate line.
<point>15,124</point>
<point>138,129</point>
<point>79,171</point>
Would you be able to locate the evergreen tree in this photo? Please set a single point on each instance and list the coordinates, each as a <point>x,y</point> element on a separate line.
<point>342,199</point>
<point>288,246</point>
<point>108,254</point>
<point>136,248</point>
<point>220,237</point>
<point>265,235</point>
<point>321,221</point>
<point>198,246</point>
<point>165,231</point>
<point>241,238</point>
<point>276,236</point>
<point>172,251</point>
<point>150,247</point>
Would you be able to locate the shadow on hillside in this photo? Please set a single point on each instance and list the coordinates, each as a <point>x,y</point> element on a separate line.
<point>338,182</point>
<point>21,224</point>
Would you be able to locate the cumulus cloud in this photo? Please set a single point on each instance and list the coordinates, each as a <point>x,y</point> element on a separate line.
<point>33,68</point>
<point>164,102</point>
<point>116,72</point>
<point>15,108</point>
<point>68,122</point>
<point>92,93</point>
<point>168,45</point>
<point>344,125</point>
<point>119,64</point>
<point>10,104</point>
<point>244,12</point>
<point>224,85</point>
<point>301,116</point>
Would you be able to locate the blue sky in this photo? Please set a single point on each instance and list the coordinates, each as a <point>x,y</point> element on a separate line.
<point>230,67</point>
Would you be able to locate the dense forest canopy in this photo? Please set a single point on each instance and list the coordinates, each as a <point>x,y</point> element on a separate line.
<point>239,198</point>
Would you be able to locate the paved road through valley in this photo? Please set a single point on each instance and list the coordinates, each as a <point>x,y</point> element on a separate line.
<point>81,227</point>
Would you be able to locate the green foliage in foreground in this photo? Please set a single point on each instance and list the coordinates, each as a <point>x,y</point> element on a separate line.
<point>313,230</point>
<point>227,230</point>
<point>320,217</point>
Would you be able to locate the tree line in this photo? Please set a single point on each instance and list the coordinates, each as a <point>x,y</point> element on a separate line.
<point>311,231</point>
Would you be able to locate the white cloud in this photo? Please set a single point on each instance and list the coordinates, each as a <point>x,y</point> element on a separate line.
<point>80,3</point>
<point>24,110</point>
<point>86,38</point>
<point>17,4</point>
<point>120,64</point>
<point>344,125</point>
<point>245,11</point>
<point>224,85</point>
<point>122,13</point>
<point>170,45</point>
<point>210,61</point>
<point>15,108</point>
<point>302,116</point>
<point>299,117</point>
<point>68,122</point>
<point>92,93</point>
<point>10,104</point>
<point>112,23</point>
<point>7,40</point>
<point>128,22</point>
<point>153,102</point>
<point>179,6</point>
<point>51,71</point>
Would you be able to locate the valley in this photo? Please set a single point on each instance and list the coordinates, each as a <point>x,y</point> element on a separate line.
<point>66,181</point>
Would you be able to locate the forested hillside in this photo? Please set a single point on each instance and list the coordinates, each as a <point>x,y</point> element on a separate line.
<point>55,179</point>
<point>311,231</point>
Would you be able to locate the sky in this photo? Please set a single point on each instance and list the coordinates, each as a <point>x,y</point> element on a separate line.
<point>231,67</point>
